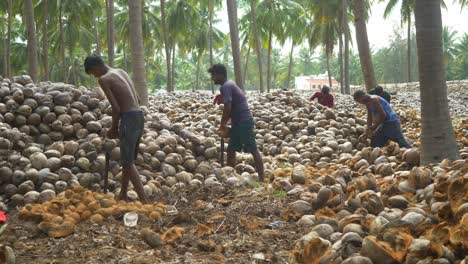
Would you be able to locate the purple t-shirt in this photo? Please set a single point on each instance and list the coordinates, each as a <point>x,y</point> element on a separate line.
<point>240,111</point>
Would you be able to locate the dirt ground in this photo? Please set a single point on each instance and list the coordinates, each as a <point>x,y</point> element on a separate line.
<point>239,221</point>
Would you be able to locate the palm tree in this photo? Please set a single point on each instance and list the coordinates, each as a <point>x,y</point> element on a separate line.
<point>32,46</point>
<point>170,86</point>
<point>437,135</point>
<point>461,62</point>
<point>136,46</point>
<point>257,43</point>
<point>325,27</point>
<point>45,41</point>
<point>110,31</point>
<point>295,33</point>
<point>360,16</point>
<point>234,31</point>
<point>407,9</point>
<point>448,46</point>
<point>8,44</point>
<point>346,46</point>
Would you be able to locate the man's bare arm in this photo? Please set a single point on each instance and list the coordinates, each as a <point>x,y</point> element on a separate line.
<point>381,115</point>
<point>369,118</point>
<point>106,87</point>
<point>226,114</point>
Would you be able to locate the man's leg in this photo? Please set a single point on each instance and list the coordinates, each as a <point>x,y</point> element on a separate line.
<point>137,185</point>
<point>231,157</point>
<point>124,184</point>
<point>259,165</point>
<point>400,138</point>
<point>379,139</point>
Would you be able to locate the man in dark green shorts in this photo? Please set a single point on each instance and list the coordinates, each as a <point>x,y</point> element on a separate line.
<point>120,92</point>
<point>236,108</point>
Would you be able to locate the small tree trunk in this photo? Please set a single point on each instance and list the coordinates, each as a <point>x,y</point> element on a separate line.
<point>437,135</point>
<point>73,66</point>
<point>288,80</point>
<point>173,68</point>
<point>246,66</point>
<point>4,40</point>
<point>198,70</point>
<point>136,46</point>
<point>96,34</point>
<point>363,45</point>
<point>340,59</point>
<point>409,48</point>
<point>110,31</point>
<point>328,70</point>
<point>170,85</point>
<point>270,36</point>
<point>234,31</point>
<point>211,40</point>
<point>32,45</point>
<point>8,45</point>
<point>257,44</point>
<point>124,50</point>
<point>45,41</point>
<point>62,44</point>
<point>346,46</point>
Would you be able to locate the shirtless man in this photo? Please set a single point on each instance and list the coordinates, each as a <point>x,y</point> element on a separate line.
<point>120,92</point>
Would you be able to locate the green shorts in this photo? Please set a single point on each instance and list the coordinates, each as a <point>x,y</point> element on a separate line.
<point>243,137</point>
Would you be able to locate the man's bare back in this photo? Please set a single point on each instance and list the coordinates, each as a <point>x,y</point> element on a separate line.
<point>117,84</point>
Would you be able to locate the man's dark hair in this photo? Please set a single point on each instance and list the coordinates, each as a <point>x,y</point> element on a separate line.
<point>93,61</point>
<point>379,90</point>
<point>358,94</point>
<point>325,89</point>
<point>218,69</point>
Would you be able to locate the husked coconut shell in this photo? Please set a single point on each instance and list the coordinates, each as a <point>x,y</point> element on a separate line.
<point>38,160</point>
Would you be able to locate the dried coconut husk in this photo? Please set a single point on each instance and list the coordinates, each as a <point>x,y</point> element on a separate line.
<point>312,253</point>
<point>457,193</point>
<point>390,247</point>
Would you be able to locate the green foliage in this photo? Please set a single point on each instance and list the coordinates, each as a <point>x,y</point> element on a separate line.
<point>306,23</point>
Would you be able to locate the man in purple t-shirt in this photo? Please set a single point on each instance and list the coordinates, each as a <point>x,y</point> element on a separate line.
<point>236,108</point>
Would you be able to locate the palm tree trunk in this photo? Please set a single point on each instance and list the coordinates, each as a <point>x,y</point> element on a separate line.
<point>257,44</point>
<point>288,80</point>
<point>124,50</point>
<point>110,31</point>
<point>328,70</point>
<point>234,31</point>
<point>409,48</point>
<point>32,45</point>
<point>8,45</point>
<point>96,34</point>
<point>170,86</point>
<point>4,57</point>
<point>45,40</point>
<point>211,39</point>
<point>62,44</point>
<point>198,70</point>
<point>73,68</point>
<point>437,135</point>
<point>363,45</point>
<point>340,60</point>
<point>270,36</point>
<point>173,67</point>
<point>346,48</point>
<point>244,76</point>
<point>137,49</point>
